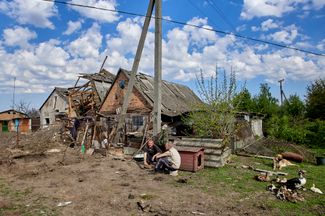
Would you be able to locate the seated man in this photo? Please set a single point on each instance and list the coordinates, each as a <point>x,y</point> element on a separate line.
<point>169,161</point>
<point>150,152</point>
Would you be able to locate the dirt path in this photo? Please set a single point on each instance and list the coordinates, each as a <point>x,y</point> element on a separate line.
<point>99,185</point>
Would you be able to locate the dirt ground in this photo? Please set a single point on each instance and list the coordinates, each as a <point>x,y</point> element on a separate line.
<point>105,185</point>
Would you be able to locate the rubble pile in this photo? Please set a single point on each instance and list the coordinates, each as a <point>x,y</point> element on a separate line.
<point>41,140</point>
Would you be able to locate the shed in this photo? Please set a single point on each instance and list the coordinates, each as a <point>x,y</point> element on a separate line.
<point>12,119</point>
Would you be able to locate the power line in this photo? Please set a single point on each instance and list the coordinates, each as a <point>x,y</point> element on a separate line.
<point>192,25</point>
<point>202,12</point>
<point>221,14</point>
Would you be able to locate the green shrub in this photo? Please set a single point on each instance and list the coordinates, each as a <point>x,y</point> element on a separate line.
<point>310,133</point>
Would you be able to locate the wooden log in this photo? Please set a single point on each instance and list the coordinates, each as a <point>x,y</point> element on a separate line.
<point>271,172</point>
<point>256,156</point>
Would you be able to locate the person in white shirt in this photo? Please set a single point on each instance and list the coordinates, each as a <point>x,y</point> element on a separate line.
<point>169,161</point>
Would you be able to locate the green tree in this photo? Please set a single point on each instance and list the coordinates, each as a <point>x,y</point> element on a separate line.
<point>243,101</point>
<point>315,101</point>
<point>294,107</point>
<point>215,117</point>
<point>264,102</point>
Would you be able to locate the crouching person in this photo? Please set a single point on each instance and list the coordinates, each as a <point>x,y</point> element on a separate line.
<point>169,161</point>
<point>150,152</point>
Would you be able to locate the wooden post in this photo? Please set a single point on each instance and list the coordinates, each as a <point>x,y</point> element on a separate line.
<point>157,84</point>
<point>134,71</point>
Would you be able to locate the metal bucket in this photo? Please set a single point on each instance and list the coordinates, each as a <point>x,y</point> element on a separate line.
<point>320,160</point>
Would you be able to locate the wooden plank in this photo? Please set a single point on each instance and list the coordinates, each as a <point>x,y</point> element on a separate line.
<point>271,172</point>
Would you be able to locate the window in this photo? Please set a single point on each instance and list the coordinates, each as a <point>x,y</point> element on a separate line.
<point>137,121</point>
<point>47,121</point>
<point>122,84</point>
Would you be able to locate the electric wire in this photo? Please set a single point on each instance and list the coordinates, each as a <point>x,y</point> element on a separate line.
<point>221,14</point>
<point>192,25</point>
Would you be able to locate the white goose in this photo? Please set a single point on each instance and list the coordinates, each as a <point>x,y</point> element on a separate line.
<point>315,189</point>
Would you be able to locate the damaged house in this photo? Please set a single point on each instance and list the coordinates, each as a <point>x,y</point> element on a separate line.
<point>76,101</point>
<point>176,100</point>
<point>56,103</point>
<point>86,99</point>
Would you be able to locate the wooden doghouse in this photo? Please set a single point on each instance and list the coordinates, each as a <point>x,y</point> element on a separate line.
<point>192,159</point>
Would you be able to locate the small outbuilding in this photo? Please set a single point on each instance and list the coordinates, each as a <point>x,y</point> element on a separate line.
<point>11,120</point>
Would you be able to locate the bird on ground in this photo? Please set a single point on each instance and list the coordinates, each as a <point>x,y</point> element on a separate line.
<point>315,189</point>
<point>296,183</point>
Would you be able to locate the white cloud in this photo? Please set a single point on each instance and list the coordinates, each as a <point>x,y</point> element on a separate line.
<point>321,45</point>
<point>52,63</point>
<point>35,13</point>
<point>200,36</point>
<point>72,27</point>
<point>241,28</point>
<point>98,15</point>
<point>318,4</point>
<point>88,44</point>
<point>277,8</point>
<point>269,24</point>
<point>129,32</point>
<point>286,36</point>
<point>18,36</point>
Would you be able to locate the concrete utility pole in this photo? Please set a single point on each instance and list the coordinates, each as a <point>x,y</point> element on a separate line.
<point>134,71</point>
<point>157,84</point>
<point>282,92</point>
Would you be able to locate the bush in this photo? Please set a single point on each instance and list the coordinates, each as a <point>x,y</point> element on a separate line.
<point>316,134</point>
<point>310,133</point>
<point>282,128</point>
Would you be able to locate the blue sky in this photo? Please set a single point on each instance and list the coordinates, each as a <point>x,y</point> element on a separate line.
<point>44,44</point>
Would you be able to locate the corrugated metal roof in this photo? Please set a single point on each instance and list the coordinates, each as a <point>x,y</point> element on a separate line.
<point>102,81</point>
<point>63,92</point>
<point>102,76</point>
<point>102,88</point>
<point>175,98</point>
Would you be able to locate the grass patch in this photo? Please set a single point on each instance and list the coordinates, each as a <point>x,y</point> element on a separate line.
<point>22,202</point>
<point>238,183</point>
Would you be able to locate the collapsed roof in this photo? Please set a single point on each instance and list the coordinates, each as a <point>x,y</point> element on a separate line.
<point>175,98</point>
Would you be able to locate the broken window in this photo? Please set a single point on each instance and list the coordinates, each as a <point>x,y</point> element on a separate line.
<point>47,121</point>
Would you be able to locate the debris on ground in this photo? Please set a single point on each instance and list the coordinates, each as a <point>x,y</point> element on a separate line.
<point>62,204</point>
<point>263,177</point>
